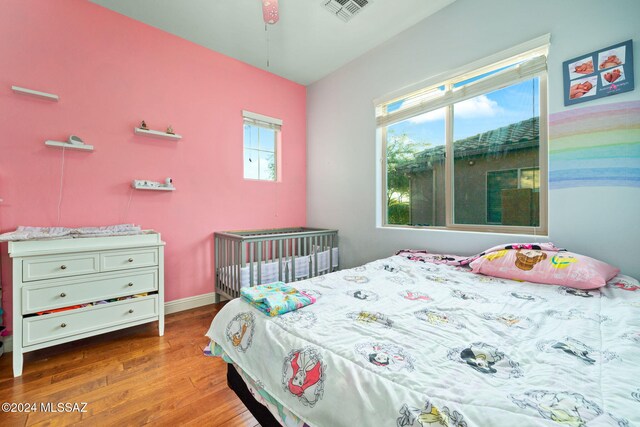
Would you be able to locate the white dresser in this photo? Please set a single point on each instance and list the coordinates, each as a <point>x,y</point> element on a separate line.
<point>96,273</point>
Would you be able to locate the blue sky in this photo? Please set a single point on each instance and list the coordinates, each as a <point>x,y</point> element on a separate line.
<point>482,113</point>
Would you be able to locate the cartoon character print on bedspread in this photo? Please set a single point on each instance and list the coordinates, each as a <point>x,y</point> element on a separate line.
<point>370,318</point>
<point>625,285</point>
<point>466,296</point>
<point>303,375</point>
<point>401,280</point>
<point>385,356</point>
<point>240,331</point>
<point>577,349</point>
<point>567,408</point>
<point>634,337</point>
<point>563,290</point>
<point>576,314</point>
<point>440,318</point>
<point>312,293</point>
<point>424,256</point>
<point>509,320</point>
<point>486,359</point>
<point>488,280</point>
<point>363,294</point>
<point>526,296</point>
<point>399,272</point>
<point>356,279</point>
<point>429,416</point>
<point>412,295</point>
<point>441,279</point>
<point>297,319</point>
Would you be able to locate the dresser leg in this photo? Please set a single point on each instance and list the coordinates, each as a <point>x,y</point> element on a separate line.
<point>17,362</point>
<point>161,326</point>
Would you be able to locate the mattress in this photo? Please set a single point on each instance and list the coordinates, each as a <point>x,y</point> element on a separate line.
<point>401,343</point>
<point>304,265</point>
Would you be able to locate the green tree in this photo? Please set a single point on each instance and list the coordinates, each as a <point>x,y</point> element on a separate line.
<point>400,151</point>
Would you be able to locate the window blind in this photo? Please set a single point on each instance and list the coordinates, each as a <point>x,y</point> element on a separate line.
<point>446,93</point>
<point>261,120</point>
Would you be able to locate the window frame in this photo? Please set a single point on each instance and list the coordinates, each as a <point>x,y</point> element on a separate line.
<point>465,73</point>
<point>261,121</point>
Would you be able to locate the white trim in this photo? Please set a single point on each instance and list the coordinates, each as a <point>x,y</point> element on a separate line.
<point>261,118</point>
<point>533,67</point>
<point>536,43</point>
<point>8,343</point>
<point>174,306</point>
<point>191,302</point>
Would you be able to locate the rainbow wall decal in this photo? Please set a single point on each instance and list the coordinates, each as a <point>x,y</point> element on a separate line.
<point>595,146</point>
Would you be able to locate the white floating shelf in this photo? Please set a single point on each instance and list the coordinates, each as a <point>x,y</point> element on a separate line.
<point>141,184</point>
<point>157,134</point>
<point>59,144</point>
<point>35,93</point>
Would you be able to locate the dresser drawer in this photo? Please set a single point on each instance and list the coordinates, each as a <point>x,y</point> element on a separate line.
<point>57,293</point>
<point>135,258</point>
<point>51,267</point>
<point>51,327</point>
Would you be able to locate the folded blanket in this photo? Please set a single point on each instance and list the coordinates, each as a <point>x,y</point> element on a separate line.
<point>276,298</point>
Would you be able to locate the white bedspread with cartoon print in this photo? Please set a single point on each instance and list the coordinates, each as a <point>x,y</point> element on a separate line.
<point>402,343</point>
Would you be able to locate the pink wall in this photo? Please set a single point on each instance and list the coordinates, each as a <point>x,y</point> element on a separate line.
<point>110,72</point>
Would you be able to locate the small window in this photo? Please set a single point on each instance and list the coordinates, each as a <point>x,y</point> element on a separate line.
<point>261,136</point>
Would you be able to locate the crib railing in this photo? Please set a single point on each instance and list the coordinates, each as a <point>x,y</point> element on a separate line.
<point>249,258</point>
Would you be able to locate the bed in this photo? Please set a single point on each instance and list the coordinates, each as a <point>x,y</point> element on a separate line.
<point>403,343</point>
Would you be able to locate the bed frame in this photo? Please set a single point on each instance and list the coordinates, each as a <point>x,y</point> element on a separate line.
<point>250,258</point>
<point>257,409</point>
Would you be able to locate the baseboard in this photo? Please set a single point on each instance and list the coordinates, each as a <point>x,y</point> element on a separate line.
<point>8,344</point>
<point>191,302</point>
<point>169,307</point>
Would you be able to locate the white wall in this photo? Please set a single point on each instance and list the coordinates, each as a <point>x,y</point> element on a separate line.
<point>341,156</point>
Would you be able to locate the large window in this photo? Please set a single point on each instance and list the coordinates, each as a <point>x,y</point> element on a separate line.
<point>470,152</point>
<point>261,134</point>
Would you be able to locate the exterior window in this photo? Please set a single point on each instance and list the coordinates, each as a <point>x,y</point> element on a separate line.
<point>469,153</point>
<point>260,147</point>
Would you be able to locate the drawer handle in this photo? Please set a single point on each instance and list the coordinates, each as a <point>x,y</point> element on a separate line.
<point>63,325</point>
<point>62,295</point>
<point>63,267</point>
<point>130,284</point>
<point>130,260</point>
<point>130,310</point>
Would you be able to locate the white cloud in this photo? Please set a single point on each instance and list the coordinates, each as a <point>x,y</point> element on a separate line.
<point>480,106</point>
<point>431,116</point>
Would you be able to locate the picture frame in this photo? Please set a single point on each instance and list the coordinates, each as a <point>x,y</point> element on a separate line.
<point>601,73</point>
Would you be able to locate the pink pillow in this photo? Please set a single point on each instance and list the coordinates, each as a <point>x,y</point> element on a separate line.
<point>553,268</point>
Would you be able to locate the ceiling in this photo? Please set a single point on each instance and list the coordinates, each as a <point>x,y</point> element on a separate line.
<point>307,43</point>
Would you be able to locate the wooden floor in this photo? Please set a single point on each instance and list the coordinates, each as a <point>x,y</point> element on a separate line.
<point>129,377</point>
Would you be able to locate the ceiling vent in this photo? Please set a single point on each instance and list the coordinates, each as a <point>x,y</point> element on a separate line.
<point>345,9</point>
